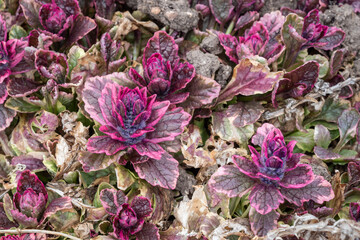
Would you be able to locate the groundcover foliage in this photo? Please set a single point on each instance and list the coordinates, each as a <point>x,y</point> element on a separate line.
<point>115,125</point>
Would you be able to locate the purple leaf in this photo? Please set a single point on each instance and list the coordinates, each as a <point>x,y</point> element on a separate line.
<point>249,78</point>
<point>105,9</point>
<point>299,177</point>
<point>163,44</point>
<point>105,144</point>
<point>148,232</point>
<point>58,204</point>
<point>273,22</point>
<point>82,25</point>
<point>335,63</point>
<point>141,206</point>
<point>230,181</point>
<point>318,190</point>
<point>5,223</point>
<point>265,198</point>
<point>246,19</point>
<point>31,163</point>
<point>171,124</point>
<point>262,224</point>
<point>354,211</point>
<point>163,172</point>
<point>112,200</point>
<point>246,113</point>
<point>21,87</point>
<point>353,170</point>
<point>221,10</point>
<point>30,9</point>
<point>298,82</point>
<point>325,154</point>
<point>202,91</point>
<point>261,133</point>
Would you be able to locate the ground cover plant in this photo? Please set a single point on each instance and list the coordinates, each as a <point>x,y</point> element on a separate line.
<point>179,120</point>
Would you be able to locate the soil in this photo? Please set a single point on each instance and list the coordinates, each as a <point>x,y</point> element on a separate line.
<point>208,65</point>
<point>174,13</point>
<point>273,5</point>
<point>345,18</point>
<point>211,44</point>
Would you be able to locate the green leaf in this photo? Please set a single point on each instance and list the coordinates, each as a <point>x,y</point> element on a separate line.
<point>304,141</point>
<point>331,110</point>
<point>20,105</point>
<point>322,136</point>
<point>75,53</point>
<point>224,127</point>
<point>50,165</point>
<point>348,122</point>
<point>322,61</point>
<point>17,32</point>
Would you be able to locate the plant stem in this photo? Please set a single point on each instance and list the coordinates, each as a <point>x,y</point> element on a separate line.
<point>246,212</point>
<point>230,27</point>
<point>22,231</point>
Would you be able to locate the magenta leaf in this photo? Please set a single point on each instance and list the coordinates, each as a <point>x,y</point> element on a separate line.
<point>92,92</point>
<point>164,74</point>
<point>229,43</point>
<point>262,224</point>
<point>52,65</point>
<point>298,82</point>
<point>3,30</point>
<point>319,190</point>
<point>58,204</point>
<point>221,10</point>
<point>230,181</point>
<point>265,198</point>
<point>148,232</point>
<point>354,211</point>
<point>112,200</point>
<point>273,22</point>
<point>249,78</point>
<point>163,172</point>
